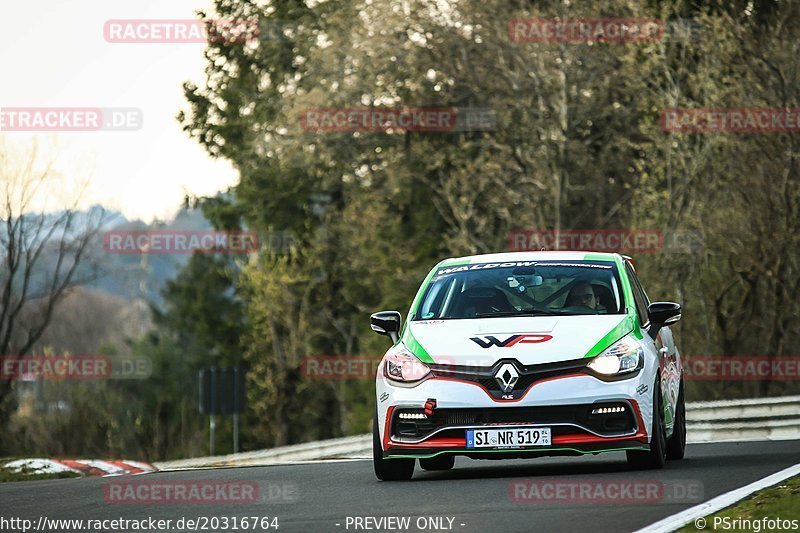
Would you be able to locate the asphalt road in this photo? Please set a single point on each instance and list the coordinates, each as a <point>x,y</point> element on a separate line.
<point>476,495</point>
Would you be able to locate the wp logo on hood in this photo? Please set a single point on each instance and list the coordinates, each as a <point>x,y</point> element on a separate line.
<point>521,338</point>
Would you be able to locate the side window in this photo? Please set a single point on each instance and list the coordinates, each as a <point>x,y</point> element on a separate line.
<point>641,289</point>
<point>638,295</point>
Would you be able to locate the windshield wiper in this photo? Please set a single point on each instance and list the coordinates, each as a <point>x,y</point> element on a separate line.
<point>525,312</point>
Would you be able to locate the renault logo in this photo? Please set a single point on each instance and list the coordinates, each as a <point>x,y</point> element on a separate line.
<point>507,377</point>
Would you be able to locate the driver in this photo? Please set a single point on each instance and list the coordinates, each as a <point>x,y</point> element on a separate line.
<point>582,294</point>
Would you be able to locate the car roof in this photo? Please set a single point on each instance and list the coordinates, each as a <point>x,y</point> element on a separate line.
<point>533,256</point>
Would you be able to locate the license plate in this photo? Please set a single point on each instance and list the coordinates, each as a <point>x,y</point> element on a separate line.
<point>508,438</point>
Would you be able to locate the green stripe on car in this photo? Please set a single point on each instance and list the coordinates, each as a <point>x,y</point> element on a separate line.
<point>625,326</point>
<point>416,348</point>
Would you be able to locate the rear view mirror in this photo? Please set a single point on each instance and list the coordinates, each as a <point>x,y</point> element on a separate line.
<point>386,323</point>
<point>520,283</point>
<point>662,314</point>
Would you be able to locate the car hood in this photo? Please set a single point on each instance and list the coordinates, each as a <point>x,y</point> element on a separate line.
<point>529,340</point>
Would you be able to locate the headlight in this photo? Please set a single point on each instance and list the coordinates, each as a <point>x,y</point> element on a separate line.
<point>404,366</point>
<point>620,358</point>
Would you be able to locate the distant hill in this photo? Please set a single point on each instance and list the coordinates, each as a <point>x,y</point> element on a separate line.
<point>132,277</point>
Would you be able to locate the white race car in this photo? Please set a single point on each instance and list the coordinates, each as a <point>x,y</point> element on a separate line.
<point>527,354</point>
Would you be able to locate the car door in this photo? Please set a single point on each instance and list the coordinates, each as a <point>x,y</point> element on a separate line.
<point>672,368</point>
<point>664,346</point>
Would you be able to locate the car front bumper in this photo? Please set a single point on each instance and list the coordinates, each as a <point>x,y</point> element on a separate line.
<point>564,404</point>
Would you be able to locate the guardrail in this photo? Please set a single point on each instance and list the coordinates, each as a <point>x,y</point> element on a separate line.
<point>307,451</point>
<point>756,419</point>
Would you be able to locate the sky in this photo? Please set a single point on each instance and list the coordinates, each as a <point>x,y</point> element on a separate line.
<point>54,54</point>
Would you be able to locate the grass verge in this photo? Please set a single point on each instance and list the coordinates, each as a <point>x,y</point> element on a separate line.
<point>779,502</point>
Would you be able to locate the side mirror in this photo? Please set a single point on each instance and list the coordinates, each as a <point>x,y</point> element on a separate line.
<point>386,323</point>
<point>662,314</point>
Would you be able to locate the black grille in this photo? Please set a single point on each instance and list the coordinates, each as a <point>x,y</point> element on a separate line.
<point>528,375</point>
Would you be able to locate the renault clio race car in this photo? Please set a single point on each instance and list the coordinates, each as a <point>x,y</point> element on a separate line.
<point>527,354</point>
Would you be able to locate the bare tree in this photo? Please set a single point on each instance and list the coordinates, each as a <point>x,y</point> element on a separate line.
<point>41,250</point>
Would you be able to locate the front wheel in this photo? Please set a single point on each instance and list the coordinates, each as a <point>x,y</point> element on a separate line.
<point>388,469</point>
<point>657,455</point>
<point>676,445</point>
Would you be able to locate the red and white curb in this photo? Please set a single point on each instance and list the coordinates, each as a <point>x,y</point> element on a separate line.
<point>85,467</point>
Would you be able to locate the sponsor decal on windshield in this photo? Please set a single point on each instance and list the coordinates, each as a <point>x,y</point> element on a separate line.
<point>485,266</point>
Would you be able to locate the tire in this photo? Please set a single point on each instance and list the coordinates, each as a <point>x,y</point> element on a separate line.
<point>442,462</point>
<point>676,445</point>
<point>388,469</point>
<point>657,455</point>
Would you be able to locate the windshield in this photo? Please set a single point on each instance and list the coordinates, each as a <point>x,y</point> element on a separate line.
<point>525,288</point>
